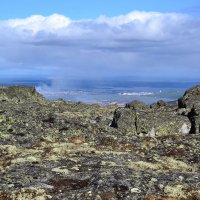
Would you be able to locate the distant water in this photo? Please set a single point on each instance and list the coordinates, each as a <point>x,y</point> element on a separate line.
<point>109,91</point>
<point>116,92</point>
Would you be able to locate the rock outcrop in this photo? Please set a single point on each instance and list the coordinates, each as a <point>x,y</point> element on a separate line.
<point>158,119</point>
<point>190,105</point>
<point>19,93</point>
<point>161,118</point>
<point>63,150</point>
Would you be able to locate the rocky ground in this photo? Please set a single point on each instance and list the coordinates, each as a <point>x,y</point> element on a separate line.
<point>62,150</point>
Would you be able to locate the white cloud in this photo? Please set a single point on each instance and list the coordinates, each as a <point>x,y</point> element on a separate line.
<point>136,43</point>
<point>38,23</point>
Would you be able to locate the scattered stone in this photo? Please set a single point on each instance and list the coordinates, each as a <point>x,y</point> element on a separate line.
<point>135,190</point>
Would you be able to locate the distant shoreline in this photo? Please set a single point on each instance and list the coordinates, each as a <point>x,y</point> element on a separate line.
<point>107,92</point>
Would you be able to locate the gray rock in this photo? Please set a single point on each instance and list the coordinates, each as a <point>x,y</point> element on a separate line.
<point>150,122</point>
<point>191,102</point>
<point>191,98</point>
<point>159,104</point>
<point>125,121</point>
<point>161,123</point>
<point>137,105</point>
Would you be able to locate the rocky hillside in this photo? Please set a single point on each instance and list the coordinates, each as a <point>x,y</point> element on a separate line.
<point>62,150</point>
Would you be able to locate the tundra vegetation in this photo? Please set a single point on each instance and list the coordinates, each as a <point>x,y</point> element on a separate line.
<point>64,150</point>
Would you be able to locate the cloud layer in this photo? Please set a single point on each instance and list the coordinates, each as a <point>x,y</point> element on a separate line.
<point>144,44</point>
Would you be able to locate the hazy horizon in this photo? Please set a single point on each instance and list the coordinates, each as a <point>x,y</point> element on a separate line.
<point>145,41</point>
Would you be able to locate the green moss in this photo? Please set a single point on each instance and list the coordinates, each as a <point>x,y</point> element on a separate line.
<point>72,132</point>
<point>4,135</point>
<point>25,159</point>
<point>61,170</point>
<point>30,193</point>
<point>11,119</point>
<point>10,150</point>
<point>163,130</point>
<point>162,164</point>
<point>2,119</point>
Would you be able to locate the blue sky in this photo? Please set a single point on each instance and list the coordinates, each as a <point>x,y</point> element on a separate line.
<point>58,38</point>
<point>81,9</point>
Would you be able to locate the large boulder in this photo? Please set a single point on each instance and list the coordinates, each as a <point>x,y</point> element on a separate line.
<point>19,93</point>
<point>150,122</point>
<point>190,103</point>
<point>191,98</point>
<point>124,120</point>
<point>161,122</point>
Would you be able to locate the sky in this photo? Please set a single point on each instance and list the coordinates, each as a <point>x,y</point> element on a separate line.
<point>148,40</point>
<point>90,9</point>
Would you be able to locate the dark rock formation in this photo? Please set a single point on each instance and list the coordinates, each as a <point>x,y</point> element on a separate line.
<point>191,103</point>
<point>191,98</point>
<point>62,150</point>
